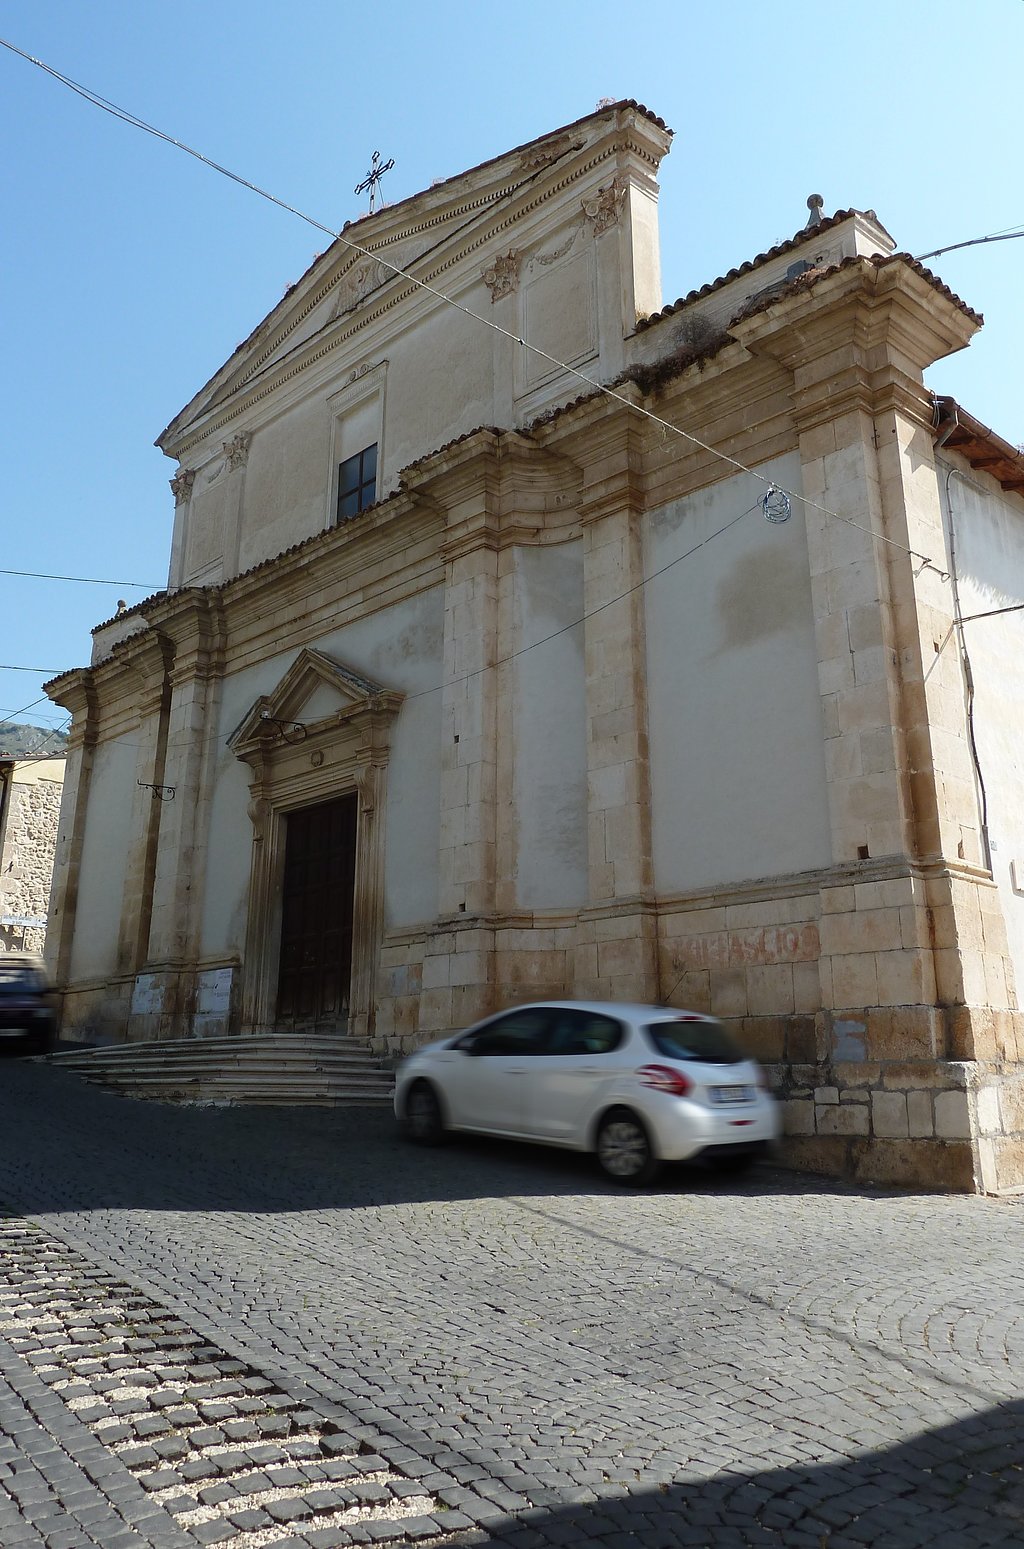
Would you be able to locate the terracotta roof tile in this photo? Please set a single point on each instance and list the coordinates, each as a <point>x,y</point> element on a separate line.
<point>878,260</point>
<point>805,235</point>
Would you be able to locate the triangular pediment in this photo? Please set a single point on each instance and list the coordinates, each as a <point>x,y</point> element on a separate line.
<point>428,235</point>
<point>314,695</point>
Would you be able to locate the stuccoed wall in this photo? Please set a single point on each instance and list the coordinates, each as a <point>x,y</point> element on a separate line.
<point>26,851</point>
<point>547,737</point>
<point>989,550</point>
<point>738,783</point>
<point>103,863</point>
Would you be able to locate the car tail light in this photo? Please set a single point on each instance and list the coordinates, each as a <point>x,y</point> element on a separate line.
<point>665,1078</point>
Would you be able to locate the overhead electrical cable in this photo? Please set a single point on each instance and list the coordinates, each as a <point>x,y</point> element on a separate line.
<point>9,715</point>
<point>1009,235</point>
<point>86,580</point>
<point>138,123</point>
<point>49,671</point>
<point>534,644</point>
<point>600,608</point>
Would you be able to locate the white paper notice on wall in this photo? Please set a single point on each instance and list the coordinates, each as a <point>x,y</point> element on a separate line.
<point>1017,876</point>
<point>213,992</point>
<point>147,995</point>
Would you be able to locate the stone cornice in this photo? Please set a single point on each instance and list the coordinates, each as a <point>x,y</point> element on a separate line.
<point>147,657</point>
<point>194,625</point>
<point>608,447</point>
<point>75,691</point>
<point>864,313</point>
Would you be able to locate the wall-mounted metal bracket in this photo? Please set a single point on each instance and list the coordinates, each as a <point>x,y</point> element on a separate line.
<point>160,792</point>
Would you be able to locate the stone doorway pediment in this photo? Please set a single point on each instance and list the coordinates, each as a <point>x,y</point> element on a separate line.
<point>318,695</point>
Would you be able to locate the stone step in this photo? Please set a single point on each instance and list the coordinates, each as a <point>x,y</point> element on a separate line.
<point>285,1042</point>
<point>368,1075</point>
<point>156,1061</point>
<point>286,1098</point>
<point>270,1068</point>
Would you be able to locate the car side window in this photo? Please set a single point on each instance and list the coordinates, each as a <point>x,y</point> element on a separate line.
<point>521,1032</point>
<point>583,1032</point>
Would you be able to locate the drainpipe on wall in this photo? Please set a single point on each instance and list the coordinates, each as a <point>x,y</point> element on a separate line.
<point>946,419</point>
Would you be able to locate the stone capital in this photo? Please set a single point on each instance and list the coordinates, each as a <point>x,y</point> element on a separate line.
<point>601,210</point>
<point>501,275</point>
<point>181,485</point>
<point>236,451</point>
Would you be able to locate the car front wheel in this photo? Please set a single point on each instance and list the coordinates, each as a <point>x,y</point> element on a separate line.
<point>424,1121</point>
<point>624,1149</point>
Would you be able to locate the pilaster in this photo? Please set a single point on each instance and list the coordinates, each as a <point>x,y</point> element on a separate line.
<point>470,496</point>
<point>194,627</point>
<point>145,659</point>
<point>908,969</point>
<point>617,949</point>
<point>76,692</point>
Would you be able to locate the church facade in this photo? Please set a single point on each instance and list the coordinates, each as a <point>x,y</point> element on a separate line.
<point>476,683</point>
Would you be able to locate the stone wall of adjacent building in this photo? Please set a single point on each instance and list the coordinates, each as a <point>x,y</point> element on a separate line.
<point>28,837</point>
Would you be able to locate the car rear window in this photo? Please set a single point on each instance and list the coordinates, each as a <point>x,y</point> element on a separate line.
<point>686,1040</point>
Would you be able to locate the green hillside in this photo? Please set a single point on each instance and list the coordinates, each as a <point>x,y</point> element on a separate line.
<point>18,740</point>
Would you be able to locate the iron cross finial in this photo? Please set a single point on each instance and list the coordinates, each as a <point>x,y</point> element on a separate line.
<point>371,182</point>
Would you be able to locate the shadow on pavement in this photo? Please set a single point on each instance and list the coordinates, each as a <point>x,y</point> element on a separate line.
<point>97,1149</point>
<point>955,1487</point>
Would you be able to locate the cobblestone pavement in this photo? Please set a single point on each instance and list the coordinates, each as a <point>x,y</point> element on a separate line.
<point>285,1327</point>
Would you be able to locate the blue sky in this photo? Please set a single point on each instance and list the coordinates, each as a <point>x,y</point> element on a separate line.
<point>130,272</point>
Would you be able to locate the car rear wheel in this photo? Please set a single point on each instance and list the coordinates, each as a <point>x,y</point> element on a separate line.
<point>624,1149</point>
<point>424,1121</point>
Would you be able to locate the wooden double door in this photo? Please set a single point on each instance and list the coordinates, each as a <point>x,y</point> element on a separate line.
<point>315,973</point>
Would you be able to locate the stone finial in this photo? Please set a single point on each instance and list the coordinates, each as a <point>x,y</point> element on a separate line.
<point>181,484</point>
<point>815,203</point>
<point>502,276</point>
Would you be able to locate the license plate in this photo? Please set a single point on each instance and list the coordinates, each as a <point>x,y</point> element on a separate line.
<point>732,1094</point>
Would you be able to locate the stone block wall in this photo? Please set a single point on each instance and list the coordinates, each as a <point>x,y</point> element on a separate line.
<point>27,843</point>
<point>827,978</point>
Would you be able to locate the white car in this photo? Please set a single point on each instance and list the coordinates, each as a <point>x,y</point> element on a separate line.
<point>638,1085</point>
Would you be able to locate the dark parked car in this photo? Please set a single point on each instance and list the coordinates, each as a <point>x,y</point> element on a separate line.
<point>28,1016</point>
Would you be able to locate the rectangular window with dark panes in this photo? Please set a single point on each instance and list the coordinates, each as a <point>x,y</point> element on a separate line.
<point>357,483</point>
